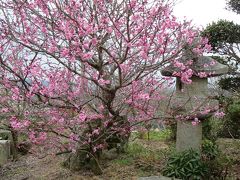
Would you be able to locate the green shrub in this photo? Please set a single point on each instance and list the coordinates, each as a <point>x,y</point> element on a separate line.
<point>230,83</point>
<point>211,164</point>
<point>232,122</point>
<point>210,150</point>
<point>185,165</point>
<point>217,163</point>
<point>211,128</point>
<point>219,167</point>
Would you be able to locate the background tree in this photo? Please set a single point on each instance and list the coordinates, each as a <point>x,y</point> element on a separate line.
<point>224,36</point>
<point>234,5</point>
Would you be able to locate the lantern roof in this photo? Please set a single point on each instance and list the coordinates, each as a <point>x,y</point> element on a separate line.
<point>203,64</point>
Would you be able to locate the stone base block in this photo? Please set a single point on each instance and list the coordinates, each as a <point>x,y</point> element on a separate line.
<point>188,136</point>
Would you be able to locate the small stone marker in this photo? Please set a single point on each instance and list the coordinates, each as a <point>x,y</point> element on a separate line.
<point>6,146</point>
<point>193,98</point>
<point>4,151</point>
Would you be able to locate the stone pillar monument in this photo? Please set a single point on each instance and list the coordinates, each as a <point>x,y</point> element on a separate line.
<point>191,101</point>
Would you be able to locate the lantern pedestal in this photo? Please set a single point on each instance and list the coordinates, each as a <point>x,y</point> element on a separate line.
<point>188,136</point>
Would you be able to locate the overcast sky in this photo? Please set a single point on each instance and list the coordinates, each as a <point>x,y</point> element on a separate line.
<point>203,12</point>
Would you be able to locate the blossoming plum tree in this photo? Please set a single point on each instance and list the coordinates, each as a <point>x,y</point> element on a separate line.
<point>89,69</point>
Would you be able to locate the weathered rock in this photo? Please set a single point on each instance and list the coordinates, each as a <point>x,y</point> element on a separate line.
<point>110,154</point>
<point>82,160</point>
<point>24,147</point>
<point>4,151</point>
<point>77,161</point>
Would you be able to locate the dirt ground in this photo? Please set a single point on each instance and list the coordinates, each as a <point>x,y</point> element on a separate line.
<point>29,167</point>
<point>231,148</point>
<point>49,168</point>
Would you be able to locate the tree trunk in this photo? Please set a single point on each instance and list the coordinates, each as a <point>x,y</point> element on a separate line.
<point>14,144</point>
<point>119,140</point>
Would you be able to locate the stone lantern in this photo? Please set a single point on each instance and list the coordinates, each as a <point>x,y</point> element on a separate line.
<point>192,101</point>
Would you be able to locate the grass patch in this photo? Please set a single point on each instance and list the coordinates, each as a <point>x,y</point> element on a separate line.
<point>144,159</point>
<point>135,150</point>
<point>124,161</point>
<point>161,135</point>
<point>231,148</point>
